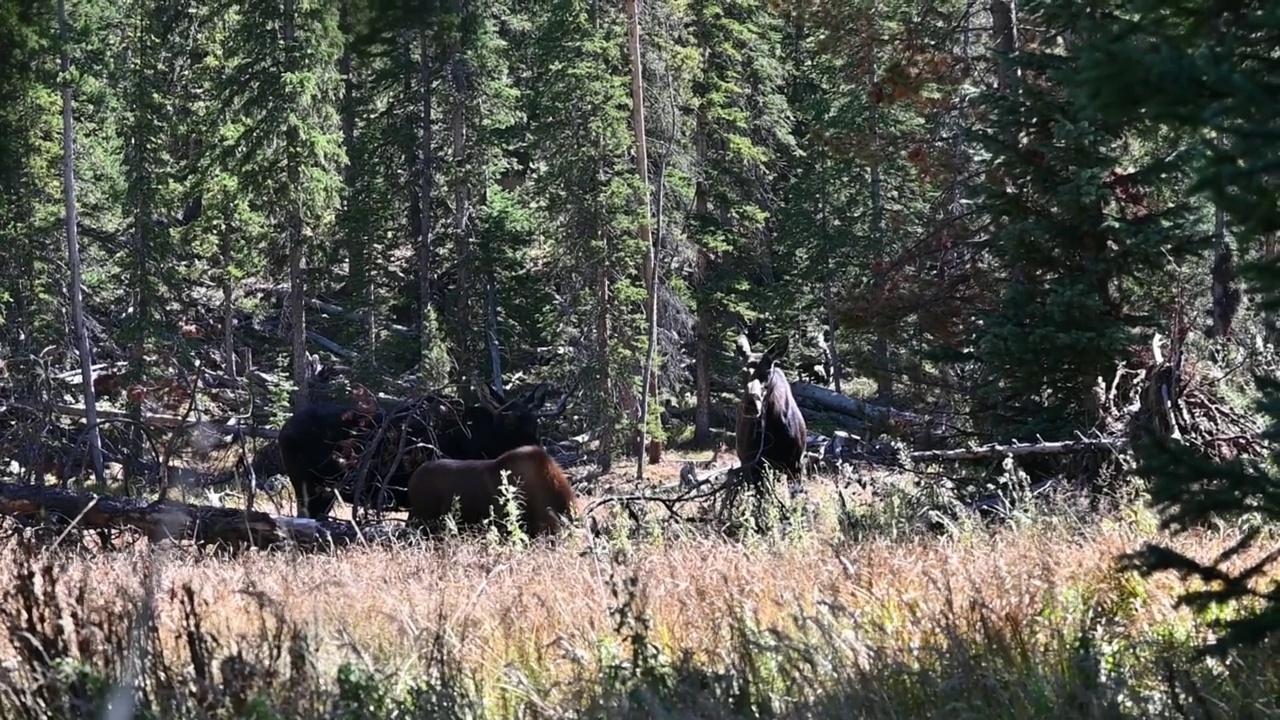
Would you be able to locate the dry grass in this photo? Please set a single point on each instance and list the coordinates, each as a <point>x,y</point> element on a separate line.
<point>875,611</point>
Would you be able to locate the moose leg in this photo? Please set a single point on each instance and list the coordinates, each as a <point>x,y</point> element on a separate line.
<point>313,501</point>
<point>320,503</point>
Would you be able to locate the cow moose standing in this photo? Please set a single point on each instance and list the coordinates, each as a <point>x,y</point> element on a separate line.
<point>313,440</point>
<point>770,429</point>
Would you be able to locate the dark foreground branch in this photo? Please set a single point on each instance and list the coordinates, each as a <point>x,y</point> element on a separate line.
<point>177,520</point>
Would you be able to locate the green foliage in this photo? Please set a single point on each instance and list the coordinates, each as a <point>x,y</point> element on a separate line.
<point>29,174</point>
<point>578,123</point>
<point>1209,77</point>
<point>1074,231</point>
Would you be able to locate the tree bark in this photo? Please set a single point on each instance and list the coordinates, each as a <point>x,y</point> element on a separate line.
<point>297,251</point>
<point>491,330</point>
<point>880,348</point>
<point>426,193</point>
<point>702,328</point>
<point>1270,321</point>
<point>358,255</point>
<point>226,246</point>
<point>459,75</point>
<point>649,267</point>
<point>1005,30</point>
<point>73,250</point>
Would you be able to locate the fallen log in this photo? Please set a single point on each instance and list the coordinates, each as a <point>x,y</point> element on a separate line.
<point>169,422</point>
<point>178,521</point>
<point>1015,449</point>
<point>329,345</point>
<point>281,294</point>
<point>815,414</point>
<point>845,405</point>
<point>356,315</point>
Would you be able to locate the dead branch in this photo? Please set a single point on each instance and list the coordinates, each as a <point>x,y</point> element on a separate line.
<point>1119,445</point>
<point>734,478</point>
<point>336,310</point>
<point>228,428</point>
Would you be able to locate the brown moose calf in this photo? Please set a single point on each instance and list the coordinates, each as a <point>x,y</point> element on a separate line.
<point>540,485</point>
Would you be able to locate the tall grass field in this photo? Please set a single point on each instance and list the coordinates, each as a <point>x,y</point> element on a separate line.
<point>833,610</point>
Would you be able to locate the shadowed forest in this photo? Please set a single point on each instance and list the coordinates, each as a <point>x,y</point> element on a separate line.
<point>902,359</point>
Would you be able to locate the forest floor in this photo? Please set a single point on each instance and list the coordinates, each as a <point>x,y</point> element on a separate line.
<point>826,616</point>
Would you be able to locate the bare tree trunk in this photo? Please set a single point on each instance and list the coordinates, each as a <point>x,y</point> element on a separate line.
<point>646,237</point>
<point>73,251</point>
<point>702,328</point>
<point>880,348</point>
<point>1270,321</point>
<point>226,244</point>
<point>1224,285</point>
<point>297,251</point>
<point>356,245</point>
<point>828,342</point>
<point>1005,30</point>
<point>459,75</point>
<point>426,193</point>
<point>606,395</point>
<point>491,330</point>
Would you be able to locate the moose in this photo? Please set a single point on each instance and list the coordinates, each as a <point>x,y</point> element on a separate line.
<point>770,429</point>
<point>314,440</point>
<point>476,486</point>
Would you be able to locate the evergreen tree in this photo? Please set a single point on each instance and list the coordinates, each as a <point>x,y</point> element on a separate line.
<point>741,131</point>
<point>580,107</point>
<point>1081,233</point>
<point>30,207</point>
<point>284,84</point>
<point>1195,68</point>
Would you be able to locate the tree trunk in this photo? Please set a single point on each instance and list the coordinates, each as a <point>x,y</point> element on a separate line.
<point>1005,31</point>
<point>1270,321</point>
<point>491,330</point>
<point>880,348</point>
<point>649,267</point>
<point>702,329</point>
<point>1224,287</point>
<point>426,193</point>
<point>357,245</point>
<point>226,246</point>
<point>459,75</point>
<point>606,396</point>
<point>297,251</point>
<point>73,251</point>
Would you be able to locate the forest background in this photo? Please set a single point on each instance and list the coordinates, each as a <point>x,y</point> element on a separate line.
<point>1020,221</point>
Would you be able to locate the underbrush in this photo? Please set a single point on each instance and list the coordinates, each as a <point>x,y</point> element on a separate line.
<point>1027,620</point>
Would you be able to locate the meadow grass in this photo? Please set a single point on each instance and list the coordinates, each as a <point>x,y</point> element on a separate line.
<point>834,613</point>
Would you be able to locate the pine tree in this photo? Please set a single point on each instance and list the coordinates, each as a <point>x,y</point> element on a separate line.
<point>1194,69</point>
<point>1082,234</point>
<point>30,208</point>
<point>579,112</point>
<point>285,87</point>
<point>742,129</point>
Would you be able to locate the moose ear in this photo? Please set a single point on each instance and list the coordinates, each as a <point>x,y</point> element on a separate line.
<point>536,398</point>
<point>744,347</point>
<point>485,392</point>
